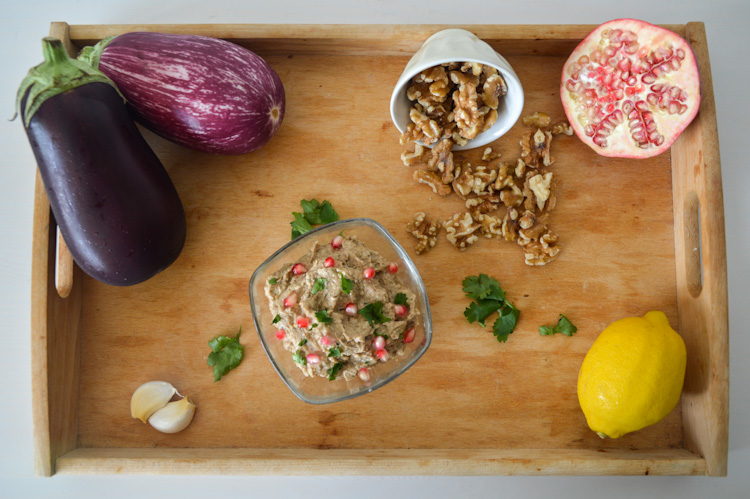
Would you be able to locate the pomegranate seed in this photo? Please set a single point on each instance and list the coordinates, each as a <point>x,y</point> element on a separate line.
<point>290,300</point>
<point>298,269</point>
<point>409,335</point>
<point>351,309</point>
<point>369,273</point>
<point>382,355</point>
<point>313,358</point>
<point>327,341</point>
<point>303,322</point>
<point>364,374</point>
<point>378,343</point>
<point>393,267</point>
<point>280,334</point>
<point>400,310</point>
<point>337,242</point>
<point>329,262</point>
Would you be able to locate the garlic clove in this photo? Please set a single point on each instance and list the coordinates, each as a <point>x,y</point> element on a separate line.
<point>149,398</point>
<point>173,417</point>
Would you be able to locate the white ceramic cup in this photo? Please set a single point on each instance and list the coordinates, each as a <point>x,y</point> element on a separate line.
<point>458,45</point>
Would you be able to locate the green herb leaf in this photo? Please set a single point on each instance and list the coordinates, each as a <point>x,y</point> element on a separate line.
<point>373,313</point>
<point>272,281</point>
<point>314,213</point>
<point>400,299</point>
<point>334,352</point>
<point>563,326</point>
<point>483,287</point>
<point>346,284</point>
<point>322,316</point>
<point>320,285</point>
<point>299,358</point>
<point>300,225</point>
<point>506,323</point>
<point>333,371</point>
<point>302,343</point>
<point>479,311</point>
<point>276,319</point>
<point>226,354</point>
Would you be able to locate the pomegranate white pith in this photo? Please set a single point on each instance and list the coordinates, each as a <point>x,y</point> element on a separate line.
<point>630,88</point>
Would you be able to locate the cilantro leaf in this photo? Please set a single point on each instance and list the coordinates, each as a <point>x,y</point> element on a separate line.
<point>373,313</point>
<point>400,299</point>
<point>272,281</point>
<point>327,213</point>
<point>302,342</point>
<point>300,225</point>
<point>479,311</point>
<point>506,323</point>
<point>334,352</point>
<point>322,316</point>
<point>483,287</point>
<point>276,319</point>
<point>226,354</point>
<point>320,285</point>
<point>333,371</point>
<point>314,213</point>
<point>299,358</point>
<point>311,209</point>
<point>563,326</point>
<point>346,284</point>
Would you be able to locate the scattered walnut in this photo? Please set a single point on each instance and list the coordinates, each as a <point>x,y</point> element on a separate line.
<point>441,160</point>
<point>412,134</point>
<point>543,251</point>
<point>512,195</point>
<point>527,220</point>
<point>461,230</point>
<point>410,158</point>
<point>535,148</point>
<point>489,226</point>
<point>493,89</point>
<point>427,126</point>
<point>537,120</point>
<point>540,186</point>
<point>426,232</point>
<point>433,180</point>
<point>459,140</point>
<point>561,127</point>
<point>509,228</point>
<point>489,154</point>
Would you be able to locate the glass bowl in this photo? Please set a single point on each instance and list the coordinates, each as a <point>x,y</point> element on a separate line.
<point>319,390</point>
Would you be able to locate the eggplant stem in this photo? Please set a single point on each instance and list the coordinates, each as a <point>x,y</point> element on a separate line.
<point>54,50</point>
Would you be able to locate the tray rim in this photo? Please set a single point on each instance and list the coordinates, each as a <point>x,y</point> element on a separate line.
<point>55,362</point>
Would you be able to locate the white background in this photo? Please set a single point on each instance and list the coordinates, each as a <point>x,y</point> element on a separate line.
<point>24,23</point>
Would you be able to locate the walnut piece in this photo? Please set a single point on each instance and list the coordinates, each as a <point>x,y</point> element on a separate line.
<point>441,160</point>
<point>561,127</point>
<point>425,231</point>
<point>537,120</point>
<point>542,252</point>
<point>461,229</point>
<point>494,88</point>
<point>535,148</point>
<point>427,126</point>
<point>466,111</point>
<point>489,226</point>
<point>412,134</point>
<point>417,157</point>
<point>433,180</point>
<point>540,186</point>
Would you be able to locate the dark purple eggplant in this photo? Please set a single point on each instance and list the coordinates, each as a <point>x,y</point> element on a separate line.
<point>207,94</point>
<point>111,197</point>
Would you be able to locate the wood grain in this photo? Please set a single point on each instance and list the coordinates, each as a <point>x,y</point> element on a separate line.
<point>514,404</point>
<point>703,308</point>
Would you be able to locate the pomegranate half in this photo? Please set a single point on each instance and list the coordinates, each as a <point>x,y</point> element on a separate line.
<point>630,88</point>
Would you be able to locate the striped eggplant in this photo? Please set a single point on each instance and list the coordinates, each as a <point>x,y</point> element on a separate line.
<point>112,199</point>
<point>207,94</point>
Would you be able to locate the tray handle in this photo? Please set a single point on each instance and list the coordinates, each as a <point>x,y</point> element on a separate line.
<point>700,255</point>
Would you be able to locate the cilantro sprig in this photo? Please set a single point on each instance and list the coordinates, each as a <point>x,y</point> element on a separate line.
<point>320,285</point>
<point>322,316</point>
<point>400,299</point>
<point>333,371</point>
<point>563,326</point>
<point>346,284</point>
<point>226,354</point>
<point>489,298</point>
<point>334,352</point>
<point>299,358</point>
<point>374,313</point>
<point>313,213</point>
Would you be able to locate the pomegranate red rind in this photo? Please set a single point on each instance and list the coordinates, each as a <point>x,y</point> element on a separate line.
<point>630,88</point>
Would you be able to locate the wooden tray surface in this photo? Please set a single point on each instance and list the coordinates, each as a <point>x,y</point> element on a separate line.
<point>470,405</point>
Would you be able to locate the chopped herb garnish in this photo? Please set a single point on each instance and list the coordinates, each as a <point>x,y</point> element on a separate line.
<point>303,342</point>
<point>320,285</point>
<point>299,358</point>
<point>563,326</point>
<point>373,313</point>
<point>313,326</point>
<point>346,284</point>
<point>332,372</point>
<point>314,213</point>
<point>272,280</point>
<point>226,354</point>
<point>276,319</point>
<point>322,316</point>
<point>488,298</point>
<point>334,352</point>
<point>400,299</point>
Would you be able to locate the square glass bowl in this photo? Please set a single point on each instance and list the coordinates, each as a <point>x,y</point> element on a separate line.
<point>319,390</point>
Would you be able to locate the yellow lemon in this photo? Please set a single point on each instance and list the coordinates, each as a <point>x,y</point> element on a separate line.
<point>632,376</point>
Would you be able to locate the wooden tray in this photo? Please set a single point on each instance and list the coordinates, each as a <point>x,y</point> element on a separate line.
<point>636,235</point>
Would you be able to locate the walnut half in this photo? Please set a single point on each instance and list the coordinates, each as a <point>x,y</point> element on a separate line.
<point>461,230</point>
<point>425,231</point>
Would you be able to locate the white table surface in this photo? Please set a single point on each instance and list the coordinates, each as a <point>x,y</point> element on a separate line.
<point>24,23</point>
